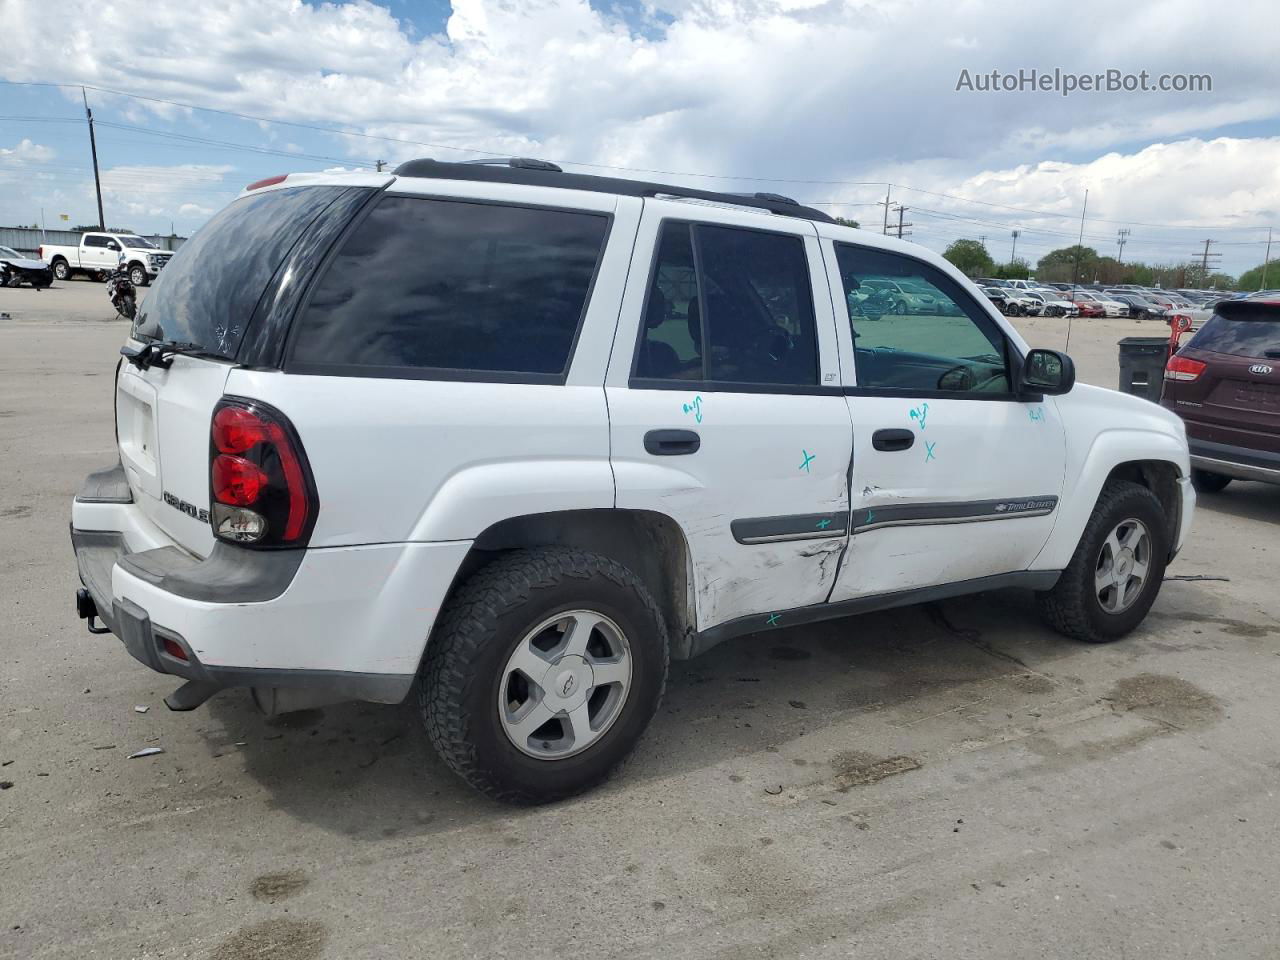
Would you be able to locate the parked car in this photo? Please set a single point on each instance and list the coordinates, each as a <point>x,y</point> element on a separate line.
<point>1054,303</point>
<point>99,253</point>
<point>1107,306</point>
<point>15,270</point>
<point>615,428</point>
<point>898,296</point>
<point>1139,307</point>
<point>1225,384</point>
<point>1005,300</point>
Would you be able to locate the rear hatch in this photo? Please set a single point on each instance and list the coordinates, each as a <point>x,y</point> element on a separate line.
<point>206,300</point>
<point>1235,397</point>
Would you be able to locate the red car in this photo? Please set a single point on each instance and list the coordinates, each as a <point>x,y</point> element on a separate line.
<point>1225,384</point>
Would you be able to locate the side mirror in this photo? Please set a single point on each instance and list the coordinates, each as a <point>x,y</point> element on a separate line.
<point>112,245</point>
<point>1048,372</point>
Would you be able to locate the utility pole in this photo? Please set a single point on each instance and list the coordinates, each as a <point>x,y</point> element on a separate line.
<point>887,188</point>
<point>901,211</point>
<point>1265,260</point>
<point>93,148</point>
<point>1075,267</point>
<point>982,240</point>
<point>1013,254</point>
<point>381,164</point>
<point>1122,237</point>
<point>1204,263</point>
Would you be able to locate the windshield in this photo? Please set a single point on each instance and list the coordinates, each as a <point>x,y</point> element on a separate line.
<point>10,252</point>
<point>207,293</point>
<point>133,241</point>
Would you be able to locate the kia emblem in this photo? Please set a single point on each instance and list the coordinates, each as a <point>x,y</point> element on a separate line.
<point>1260,368</point>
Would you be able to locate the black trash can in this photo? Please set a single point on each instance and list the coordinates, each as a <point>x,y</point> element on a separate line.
<point>1142,361</point>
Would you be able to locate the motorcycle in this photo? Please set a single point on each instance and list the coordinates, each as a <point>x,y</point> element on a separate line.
<point>122,293</point>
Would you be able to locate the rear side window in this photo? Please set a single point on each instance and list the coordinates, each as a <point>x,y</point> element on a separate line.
<point>427,288</point>
<point>1244,330</point>
<point>728,305</point>
<point>207,292</point>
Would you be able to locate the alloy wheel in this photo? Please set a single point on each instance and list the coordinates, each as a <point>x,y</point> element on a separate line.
<point>564,684</point>
<point>1122,567</point>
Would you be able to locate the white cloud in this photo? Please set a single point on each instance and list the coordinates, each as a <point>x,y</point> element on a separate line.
<point>803,89</point>
<point>26,152</point>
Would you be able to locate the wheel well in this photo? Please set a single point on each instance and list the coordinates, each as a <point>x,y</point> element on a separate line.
<point>651,545</point>
<point>1161,478</point>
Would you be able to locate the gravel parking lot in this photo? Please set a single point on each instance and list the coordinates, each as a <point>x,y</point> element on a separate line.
<point>942,781</point>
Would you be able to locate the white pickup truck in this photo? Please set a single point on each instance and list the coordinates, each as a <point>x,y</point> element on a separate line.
<point>99,253</point>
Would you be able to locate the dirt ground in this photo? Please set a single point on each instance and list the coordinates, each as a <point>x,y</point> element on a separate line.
<point>945,781</point>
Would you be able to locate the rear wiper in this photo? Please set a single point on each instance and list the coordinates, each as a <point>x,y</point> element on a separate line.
<point>160,353</point>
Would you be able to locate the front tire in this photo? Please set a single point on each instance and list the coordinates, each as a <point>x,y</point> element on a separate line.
<point>1206,482</point>
<point>1116,572</point>
<point>545,669</point>
<point>137,276</point>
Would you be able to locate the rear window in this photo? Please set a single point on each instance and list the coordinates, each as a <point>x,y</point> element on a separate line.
<point>427,288</point>
<point>208,290</point>
<point>1241,329</point>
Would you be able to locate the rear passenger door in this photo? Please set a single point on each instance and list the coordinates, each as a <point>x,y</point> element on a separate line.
<point>725,410</point>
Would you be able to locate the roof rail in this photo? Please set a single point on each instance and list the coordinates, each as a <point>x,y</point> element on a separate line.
<point>520,163</point>
<point>542,173</point>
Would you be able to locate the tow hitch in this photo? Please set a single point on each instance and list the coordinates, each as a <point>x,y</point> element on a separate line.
<point>88,610</point>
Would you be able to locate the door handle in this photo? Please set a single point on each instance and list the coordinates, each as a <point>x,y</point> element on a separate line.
<point>891,441</point>
<point>671,443</point>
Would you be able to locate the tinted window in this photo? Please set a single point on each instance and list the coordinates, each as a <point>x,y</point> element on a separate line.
<point>95,241</point>
<point>671,345</point>
<point>454,286</point>
<point>1249,331</point>
<point>744,315</point>
<point>208,291</point>
<point>915,329</point>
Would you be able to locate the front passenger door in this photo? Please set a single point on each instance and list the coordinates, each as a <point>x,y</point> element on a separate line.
<point>954,477</point>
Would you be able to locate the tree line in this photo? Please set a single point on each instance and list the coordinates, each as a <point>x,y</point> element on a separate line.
<point>1081,264</point>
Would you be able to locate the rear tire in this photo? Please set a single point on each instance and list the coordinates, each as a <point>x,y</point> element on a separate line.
<point>1116,572</point>
<point>475,694</point>
<point>1206,482</point>
<point>61,271</point>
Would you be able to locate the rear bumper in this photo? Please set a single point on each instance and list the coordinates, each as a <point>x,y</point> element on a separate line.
<point>1242,463</point>
<point>349,622</point>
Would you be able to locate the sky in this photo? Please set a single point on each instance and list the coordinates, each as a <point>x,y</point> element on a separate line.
<point>826,101</point>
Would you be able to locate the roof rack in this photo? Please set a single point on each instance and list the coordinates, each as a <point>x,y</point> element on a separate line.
<point>542,173</point>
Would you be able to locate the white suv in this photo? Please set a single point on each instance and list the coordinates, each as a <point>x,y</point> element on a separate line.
<point>521,436</point>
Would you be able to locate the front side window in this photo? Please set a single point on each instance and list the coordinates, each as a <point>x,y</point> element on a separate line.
<point>459,287</point>
<point>727,305</point>
<point>916,330</point>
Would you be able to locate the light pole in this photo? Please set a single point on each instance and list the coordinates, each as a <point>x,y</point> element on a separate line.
<point>1013,254</point>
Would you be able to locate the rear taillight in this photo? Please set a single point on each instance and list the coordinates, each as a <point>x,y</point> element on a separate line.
<point>1183,368</point>
<point>259,481</point>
